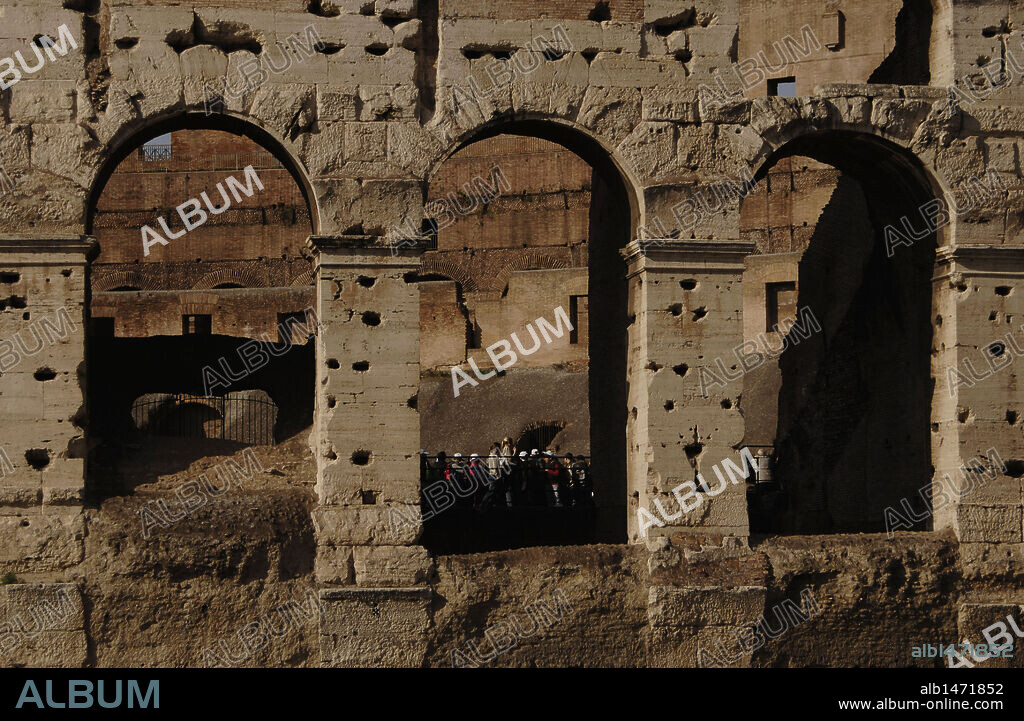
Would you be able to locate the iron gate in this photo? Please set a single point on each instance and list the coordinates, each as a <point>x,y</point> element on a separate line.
<point>245,420</point>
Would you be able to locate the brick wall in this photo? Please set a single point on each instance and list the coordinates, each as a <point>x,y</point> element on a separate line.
<point>869,36</point>
<point>272,225</point>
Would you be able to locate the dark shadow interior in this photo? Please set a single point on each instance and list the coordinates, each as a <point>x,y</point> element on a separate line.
<point>854,409</point>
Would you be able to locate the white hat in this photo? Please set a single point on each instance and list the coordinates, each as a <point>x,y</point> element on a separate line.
<point>458,455</point>
<point>423,452</point>
<point>522,454</point>
<point>548,453</point>
<point>534,452</point>
<point>474,455</point>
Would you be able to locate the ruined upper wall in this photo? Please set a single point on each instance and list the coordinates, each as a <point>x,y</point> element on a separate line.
<point>393,89</point>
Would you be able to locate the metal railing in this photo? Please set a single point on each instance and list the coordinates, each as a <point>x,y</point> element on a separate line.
<point>245,420</point>
<point>531,481</point>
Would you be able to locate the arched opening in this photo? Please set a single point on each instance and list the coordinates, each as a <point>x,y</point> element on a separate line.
<point>184,420</point>
<point>838,334</point>
<point>542,436</point>
<point>530,218</point>
<point>210,225</point>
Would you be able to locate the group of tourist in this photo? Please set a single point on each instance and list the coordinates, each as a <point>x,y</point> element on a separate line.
<point>509,477</point>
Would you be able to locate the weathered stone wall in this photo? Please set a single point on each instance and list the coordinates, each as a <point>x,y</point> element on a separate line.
<point>365,121</point>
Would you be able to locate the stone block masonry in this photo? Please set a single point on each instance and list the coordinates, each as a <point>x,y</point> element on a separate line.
<point>362,128</point>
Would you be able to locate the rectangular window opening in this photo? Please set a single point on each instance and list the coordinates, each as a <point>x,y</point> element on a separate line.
<point>782,87</point>
<point>579,312</point>
<point>195,324</point>
<point>780,304</point>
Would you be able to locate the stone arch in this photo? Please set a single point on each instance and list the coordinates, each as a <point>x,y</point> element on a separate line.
<point>132,135</point>
<point>526,262</point>
<point>304,278</point>
<point>245,277</point>
<point>865,294</point>
<point>198,303</point>
<point>860,152</point>
<point>598,367</point>
<point>582,141</point>
<point>449,270</point>
<point>119,279</point>
<point>910,120</point>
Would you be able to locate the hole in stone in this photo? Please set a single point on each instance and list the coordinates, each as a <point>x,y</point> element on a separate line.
<point>371,318</point>
<point>992,30</point>
<point>331,455</point>
<point>670,405</point>
<point>369,498</point>
<point>693,450</point>
<point>472,54</point>
<point>413,400</point>
<point>18,301</point>
<point>316,7</point>
<point>726,404</point>
<point>550,54</point>
<point>1014,468</point>
<point>392,22</point>
<point>589,56</point>
<point>992,315</point>
<point>958,285</point>
<point>1003,290</point>
<point>38,458</point>
<point>963,414</point>
<point>633,413</point>
<point>505,55</point>
<point>1011,417</point>
<point>377,49</point>
<point>66,272</point>
<point>684,56</point>
<point>126,43</point>
<point>600,13</point>
<point>361,366</point>
<point>10,277</point>
<point>360,458</point>
<point>997,349</point>
<point>411,277</point>
<point>681,21</point>
<point>329,48</point>
<point>688,284</point>
<point>652,366</point>
<point>681,370</point>
<point>366,281</point>
<point>26,315</point>
<point>45,374</point>
<point>699,313</point>
<point>333,364</point>
<point>676,309</point>
<point>331,401</point>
